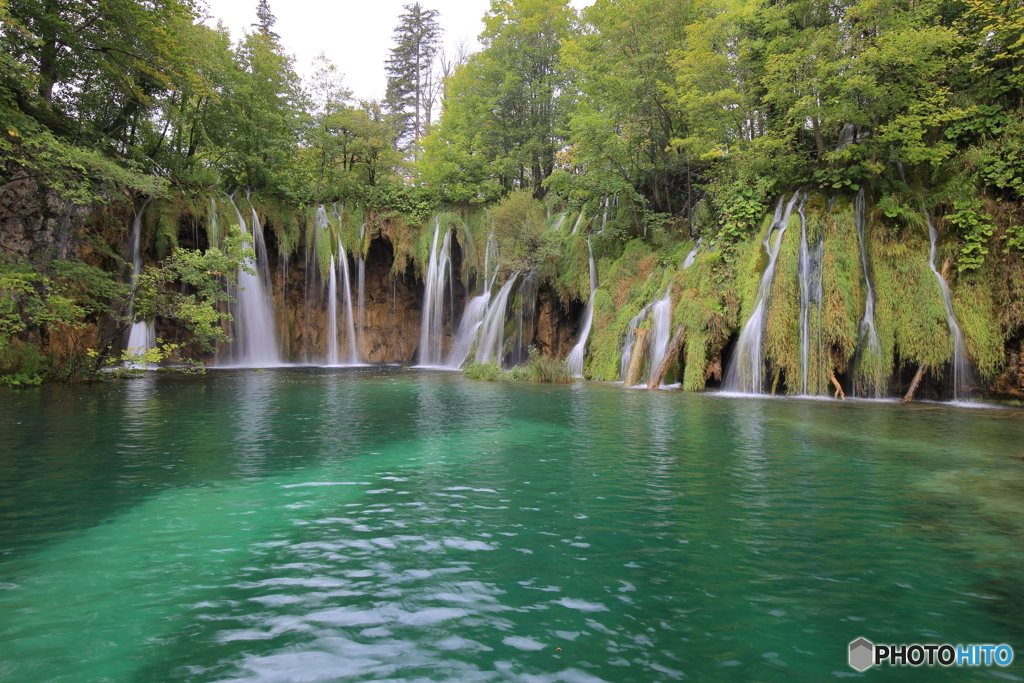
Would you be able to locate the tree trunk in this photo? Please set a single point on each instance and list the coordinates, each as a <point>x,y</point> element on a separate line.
<point>839,387</point>
<point>913,385</point>
<point>636,359</point>
<point>670,355</point>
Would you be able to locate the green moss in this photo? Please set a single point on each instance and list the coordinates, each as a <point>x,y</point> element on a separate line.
<point>628,283</point>
<point>781,344</point>
<point>911,317</point>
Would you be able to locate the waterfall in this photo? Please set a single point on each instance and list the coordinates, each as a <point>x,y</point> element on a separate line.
<point>575,360</point>
<point>627,346</point>
<point>338,284</point>
<point>961,365</point>
<point>332,315</point>
<point>867,324</point>
<point>745,373</point>
<point>811,294</point>
<point>432,320</point>
<point>661,314</point>
<point>491,339</point>
<point>692,256</point>
<point>576,225</point>
<point>525,313</point>
<point>472,319</point>
<point>142,335</point>
<point>483,322</point>
<point>255,333</point>
<point>353,351</point>
<point>558,222</point>
<point>361,286</point>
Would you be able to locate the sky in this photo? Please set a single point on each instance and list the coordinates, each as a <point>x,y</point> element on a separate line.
<point>355,35</point>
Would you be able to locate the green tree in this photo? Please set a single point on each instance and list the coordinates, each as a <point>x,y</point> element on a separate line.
<point>505,112</point>
<point>264,108</point>
<point>410,70</point>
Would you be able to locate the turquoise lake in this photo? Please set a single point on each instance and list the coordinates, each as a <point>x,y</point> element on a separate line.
<point>363,524</point>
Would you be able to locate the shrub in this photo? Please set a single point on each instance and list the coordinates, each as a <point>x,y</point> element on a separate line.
<point>488,372</point>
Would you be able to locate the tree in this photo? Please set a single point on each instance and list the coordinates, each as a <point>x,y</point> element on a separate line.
<point>505,112</point>
<point>264,107</point>
<point>410,69</point>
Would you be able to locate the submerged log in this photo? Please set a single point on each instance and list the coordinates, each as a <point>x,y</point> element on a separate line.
<point>913,385</point>
<point>671,353</point>
<point>839,387</point>
<point>636,358</point>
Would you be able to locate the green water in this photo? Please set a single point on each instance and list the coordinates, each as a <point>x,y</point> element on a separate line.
<point>371,524</point>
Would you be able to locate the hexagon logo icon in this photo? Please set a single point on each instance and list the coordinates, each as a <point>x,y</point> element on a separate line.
<point>862,654</point>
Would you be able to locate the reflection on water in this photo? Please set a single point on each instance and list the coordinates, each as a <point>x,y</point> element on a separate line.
<point>371,524</point>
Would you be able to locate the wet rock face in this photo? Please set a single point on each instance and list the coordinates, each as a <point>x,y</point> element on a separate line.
<point>556,328</point>
<point>1009,384</point>
<point>389,329</point>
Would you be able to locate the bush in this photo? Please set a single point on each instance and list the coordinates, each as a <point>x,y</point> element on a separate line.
<point>545,369</point>
<point>488,372</point>
<point>537,369</point>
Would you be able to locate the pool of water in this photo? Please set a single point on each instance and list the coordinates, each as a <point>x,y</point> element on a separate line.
<point>388,524</point>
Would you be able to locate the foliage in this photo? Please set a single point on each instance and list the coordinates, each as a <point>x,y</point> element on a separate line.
<point>410,68</point>
<point>538,368</point>
<point>505,110</point>
<point>489,372</point>
<point>975,230</point>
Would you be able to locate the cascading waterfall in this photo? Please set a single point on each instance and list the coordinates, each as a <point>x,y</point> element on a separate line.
<point>811,295</point>
<point>361,286</point>
<point>491,339</point>
<point>255,333</point>
<point>472,319</point>
<point>558,222</point>
<point>575,360</point>
<point>867,336</point>
<point>627,346</point>
<point>432,320</point>
<point>661,313</point>
<point>576,225</point>
<point>332,315</point>
<point>525,312</point>
<point>353,350</point>
<point>338,284</point>
<point>746,373</point>
<point>692,256</point>
<point>867,331</point>
<point>961,365</point>
<point>142,335</point>
<point>476,310</point>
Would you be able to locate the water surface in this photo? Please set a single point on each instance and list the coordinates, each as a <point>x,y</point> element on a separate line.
<point>387,524</point>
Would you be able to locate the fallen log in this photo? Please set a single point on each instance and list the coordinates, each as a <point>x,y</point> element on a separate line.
<point>913,385</point>
<point>636,358</point>
<point>671,353</point>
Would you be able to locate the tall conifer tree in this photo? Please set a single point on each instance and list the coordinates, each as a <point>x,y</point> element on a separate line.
<point>410,70</point>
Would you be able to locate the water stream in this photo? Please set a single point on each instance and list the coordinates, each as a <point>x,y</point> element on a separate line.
<point>255,332</point>
<point>142,334</point>
<point>431,349</point>
<point>575,360</point>
<point>746,370</point>
<point>960,365</point>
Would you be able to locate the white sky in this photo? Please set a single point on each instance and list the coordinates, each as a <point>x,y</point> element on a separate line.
<point>355,35</point>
